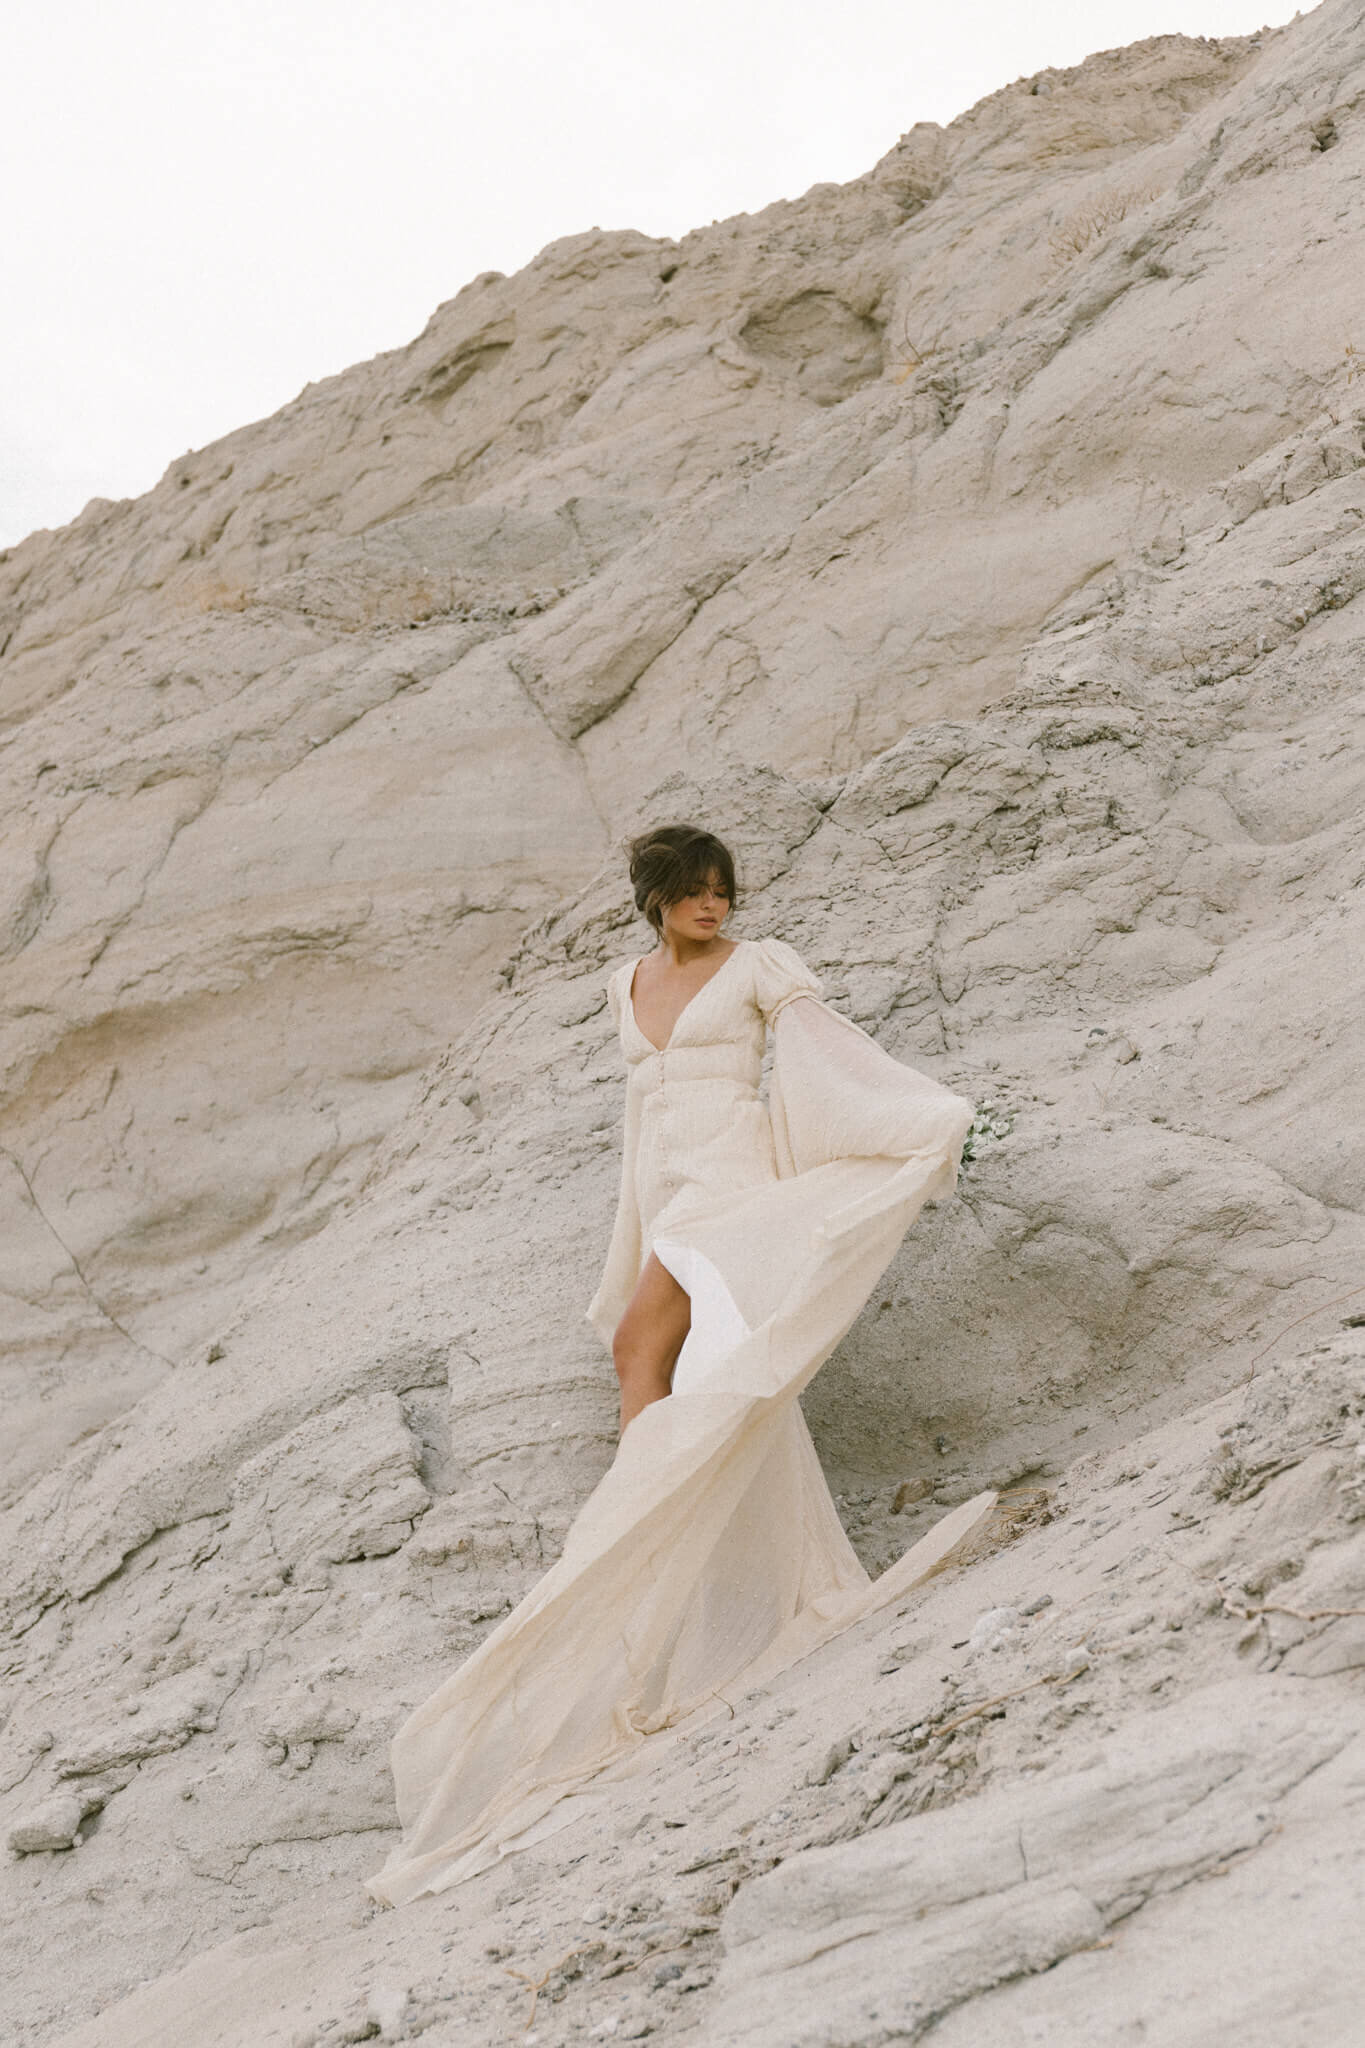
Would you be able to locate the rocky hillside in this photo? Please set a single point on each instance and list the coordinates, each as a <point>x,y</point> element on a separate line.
<point>979,546</point>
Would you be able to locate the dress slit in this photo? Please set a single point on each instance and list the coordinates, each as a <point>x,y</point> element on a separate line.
<point>717,1325</point>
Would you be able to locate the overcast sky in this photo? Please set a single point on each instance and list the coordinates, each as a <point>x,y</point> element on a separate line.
<point>207,206</point>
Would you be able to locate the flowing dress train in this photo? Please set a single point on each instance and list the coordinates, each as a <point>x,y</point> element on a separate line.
<point>710,1556</point>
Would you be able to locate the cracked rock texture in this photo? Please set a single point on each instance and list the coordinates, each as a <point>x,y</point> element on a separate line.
<point>980,547</point>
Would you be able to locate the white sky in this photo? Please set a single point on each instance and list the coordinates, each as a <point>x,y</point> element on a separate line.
<point>207,205</point>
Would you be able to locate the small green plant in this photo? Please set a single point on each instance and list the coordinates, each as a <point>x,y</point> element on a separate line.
<point>990,1124</point>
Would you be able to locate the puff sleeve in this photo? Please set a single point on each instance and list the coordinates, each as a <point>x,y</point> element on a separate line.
<point>616,992</point>
<point>780,977</point>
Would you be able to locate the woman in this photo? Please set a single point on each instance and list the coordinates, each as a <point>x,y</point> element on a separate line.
<point>746,1239</point>
<point>684,883</point>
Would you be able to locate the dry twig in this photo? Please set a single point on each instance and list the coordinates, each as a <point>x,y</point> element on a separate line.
<point>984,1706</point>
<point>1092,220</point>
<point>913,355</point>
<point>1253,1613</point>
<point>1334,1303</point>
<point>535,1985</point>
<point>652,1954</point>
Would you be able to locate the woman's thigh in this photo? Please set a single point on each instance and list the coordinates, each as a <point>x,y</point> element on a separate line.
<point>657,1318</point>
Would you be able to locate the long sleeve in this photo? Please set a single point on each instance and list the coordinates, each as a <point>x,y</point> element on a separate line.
<point>622,1268</point>
<point>835,1094</point>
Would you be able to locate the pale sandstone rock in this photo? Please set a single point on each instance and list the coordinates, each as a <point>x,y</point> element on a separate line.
<point>53,1824</point>
<point>344,1485</point>
<point>384,670</point>
<point>979,545</point>
<point>936,1910</point>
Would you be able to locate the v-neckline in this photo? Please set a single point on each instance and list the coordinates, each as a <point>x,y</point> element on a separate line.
<point>630,997</point>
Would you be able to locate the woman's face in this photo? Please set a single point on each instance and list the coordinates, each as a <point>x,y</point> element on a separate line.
<point>699,916</point>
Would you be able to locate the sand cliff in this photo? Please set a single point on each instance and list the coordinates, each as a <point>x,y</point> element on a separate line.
<point>979,546</point>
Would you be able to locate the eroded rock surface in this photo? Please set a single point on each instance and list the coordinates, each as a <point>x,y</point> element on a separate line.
<point>980,547</point>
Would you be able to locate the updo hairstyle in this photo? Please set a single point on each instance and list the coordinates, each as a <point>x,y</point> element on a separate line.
<point>673,861</point>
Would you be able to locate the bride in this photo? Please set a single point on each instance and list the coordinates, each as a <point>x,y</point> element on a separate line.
<point>747,1237</point>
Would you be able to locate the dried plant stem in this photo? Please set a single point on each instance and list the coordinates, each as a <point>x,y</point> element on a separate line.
<point>1245,1613</point>
<point>984,1706</point>
<point>652,1955</point>
<point>1334,1303</point>
<point>535,1985</point>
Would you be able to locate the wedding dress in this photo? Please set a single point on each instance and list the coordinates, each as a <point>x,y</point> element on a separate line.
<point>710,1556</point>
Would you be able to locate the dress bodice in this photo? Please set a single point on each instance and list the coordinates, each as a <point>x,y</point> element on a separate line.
<point>696,1129</point>
<point>720,1031</point>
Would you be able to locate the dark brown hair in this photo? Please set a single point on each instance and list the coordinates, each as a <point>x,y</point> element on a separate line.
<point>673,861</point>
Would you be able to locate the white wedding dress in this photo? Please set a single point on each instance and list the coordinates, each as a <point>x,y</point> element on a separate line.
<point>710,1556</point>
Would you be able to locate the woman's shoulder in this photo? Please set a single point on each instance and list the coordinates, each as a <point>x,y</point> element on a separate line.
<point>772,952</point>
<point>618,981</point>
<point>772,948</point>
<point>779,974</point>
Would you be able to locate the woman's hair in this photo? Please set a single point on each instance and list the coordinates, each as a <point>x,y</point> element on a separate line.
<point>673,861</point>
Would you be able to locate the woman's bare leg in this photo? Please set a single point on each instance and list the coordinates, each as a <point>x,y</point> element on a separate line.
<point>648,1339</point>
